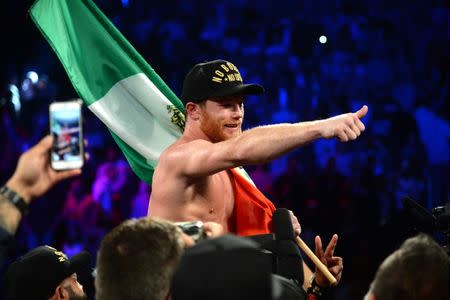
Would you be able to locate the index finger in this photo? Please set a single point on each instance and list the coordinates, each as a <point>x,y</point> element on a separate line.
<point>213,229</point>
<point>360,125</point>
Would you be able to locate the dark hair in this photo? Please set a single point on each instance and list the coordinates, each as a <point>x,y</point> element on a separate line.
<point>419,269</point>
<point>136,260</point>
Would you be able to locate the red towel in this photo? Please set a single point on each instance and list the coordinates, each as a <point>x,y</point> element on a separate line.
<point>252,212</point>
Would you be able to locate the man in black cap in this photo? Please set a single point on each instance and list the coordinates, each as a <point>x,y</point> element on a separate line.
<point>199,176</point>
<point>46,273</point>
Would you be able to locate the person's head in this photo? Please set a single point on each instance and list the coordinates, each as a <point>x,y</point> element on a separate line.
<point>229,267</point>
<point>419,269</point>
<point>136,260</point>
<point>213,94</point>
<point>45,273</point>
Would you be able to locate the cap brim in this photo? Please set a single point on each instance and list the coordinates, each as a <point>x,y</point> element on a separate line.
<point>80,262</point>
<point>244,89</point>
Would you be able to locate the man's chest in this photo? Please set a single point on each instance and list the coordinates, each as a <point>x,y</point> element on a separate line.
<point>221,192</point>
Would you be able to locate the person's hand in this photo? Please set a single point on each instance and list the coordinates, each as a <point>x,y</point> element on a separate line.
<point>213,229</point>
<point>33,175</point>
<point>295,224</point>
<point>334,263</point>
<point>345,127</point>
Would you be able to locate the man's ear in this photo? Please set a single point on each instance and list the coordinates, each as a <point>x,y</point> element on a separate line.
<point>60,294</point>
<point>370,296</point>
<point>193,110</point>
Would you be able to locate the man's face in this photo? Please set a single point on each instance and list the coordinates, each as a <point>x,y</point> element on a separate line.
<point>74,288</point>
<point>221,119</point>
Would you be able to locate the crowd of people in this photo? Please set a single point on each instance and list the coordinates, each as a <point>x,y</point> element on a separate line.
<point>150,258</point>
<point>373,55</point>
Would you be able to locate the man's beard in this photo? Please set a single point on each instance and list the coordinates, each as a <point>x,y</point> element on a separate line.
<point>75,296</point>
<point>212,129</point>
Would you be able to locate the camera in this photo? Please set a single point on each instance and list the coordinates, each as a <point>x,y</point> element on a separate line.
<point>194,229</point>
<point>442,215</point>
<point>437,221</point>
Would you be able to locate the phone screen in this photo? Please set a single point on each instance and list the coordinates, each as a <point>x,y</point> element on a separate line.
<point>66,128</point>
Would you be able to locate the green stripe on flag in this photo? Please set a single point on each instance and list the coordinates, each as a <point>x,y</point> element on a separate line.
<point>104,69</point>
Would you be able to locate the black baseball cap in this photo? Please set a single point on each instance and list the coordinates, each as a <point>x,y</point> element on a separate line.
<point>217,78</point>
<point>37,274</point>
<point>229,267</point>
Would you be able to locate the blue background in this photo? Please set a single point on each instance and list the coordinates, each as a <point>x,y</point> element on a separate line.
<point>390,55</point>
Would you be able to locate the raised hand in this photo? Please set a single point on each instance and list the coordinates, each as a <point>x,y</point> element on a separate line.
<point>334,263</point>
<point>33,175</point>
<point>345,127</point>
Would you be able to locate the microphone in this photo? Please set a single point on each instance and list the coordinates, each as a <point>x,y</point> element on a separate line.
<point>282,225</point>
<point>289,261</point>
<point>282,230</point>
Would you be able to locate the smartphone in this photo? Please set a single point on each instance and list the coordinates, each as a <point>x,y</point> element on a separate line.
<point>66,127</point>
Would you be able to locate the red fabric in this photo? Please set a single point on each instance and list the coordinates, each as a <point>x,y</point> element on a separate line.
<point>252,214</point>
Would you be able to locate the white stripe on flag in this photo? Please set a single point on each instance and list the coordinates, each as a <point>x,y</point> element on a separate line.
<point>144,123</point>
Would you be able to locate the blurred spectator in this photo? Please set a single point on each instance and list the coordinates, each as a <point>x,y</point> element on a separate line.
<point>229,267</point>
<point>139,203</point>
<point>110,178</point>
<point>54,275</point>
<point>136,259</point>
<point>397,277</point>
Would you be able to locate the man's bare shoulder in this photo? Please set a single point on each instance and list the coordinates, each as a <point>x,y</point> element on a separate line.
<point>181,149</point>
<point>173,160</point>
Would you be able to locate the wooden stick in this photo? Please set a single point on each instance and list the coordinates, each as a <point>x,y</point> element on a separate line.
<point>316,260</point>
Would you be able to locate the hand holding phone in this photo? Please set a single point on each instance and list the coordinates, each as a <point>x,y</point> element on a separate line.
<point>66,128</point>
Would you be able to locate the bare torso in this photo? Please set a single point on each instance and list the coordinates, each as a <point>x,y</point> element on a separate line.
<point>179,198</point>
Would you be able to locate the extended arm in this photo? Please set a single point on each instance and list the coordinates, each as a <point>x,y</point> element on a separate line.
<point>262,144</point>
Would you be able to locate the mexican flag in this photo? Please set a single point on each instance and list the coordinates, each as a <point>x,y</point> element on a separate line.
<point>143,115</point>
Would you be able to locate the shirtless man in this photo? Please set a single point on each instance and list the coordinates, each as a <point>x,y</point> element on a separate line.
<point>193,180</point>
